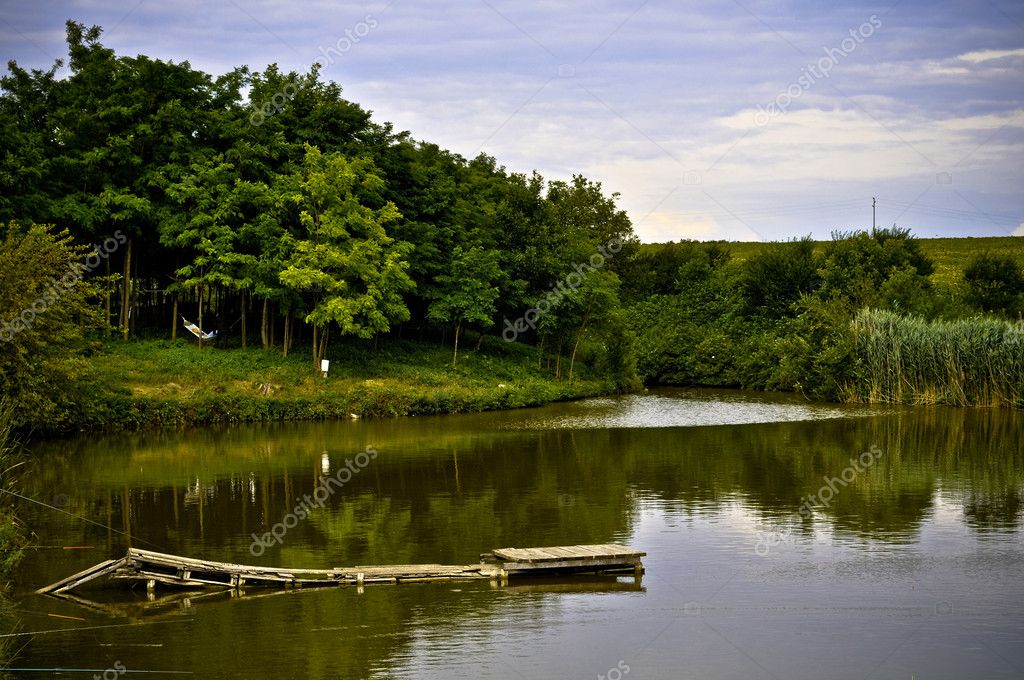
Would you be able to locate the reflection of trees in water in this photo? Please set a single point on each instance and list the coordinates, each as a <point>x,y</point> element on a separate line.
<point>993,512</point>
<point>441,493</point>
<point>973,456</point>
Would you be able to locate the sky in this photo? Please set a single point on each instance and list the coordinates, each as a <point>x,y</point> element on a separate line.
<point>735,120</point>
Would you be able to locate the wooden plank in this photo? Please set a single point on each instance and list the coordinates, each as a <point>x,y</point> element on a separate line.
<point>97,571</point>
<point>555,553</point>
<point>592,563</point>
<point>585,550</point>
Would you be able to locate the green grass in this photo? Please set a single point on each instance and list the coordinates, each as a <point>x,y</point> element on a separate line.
<point>159,382</point>
<point>951,255</point>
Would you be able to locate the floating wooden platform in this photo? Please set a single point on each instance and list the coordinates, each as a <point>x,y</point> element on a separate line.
<point>154,568</point>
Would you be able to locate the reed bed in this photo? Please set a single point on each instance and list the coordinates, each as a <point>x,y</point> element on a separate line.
<point>976,361</point>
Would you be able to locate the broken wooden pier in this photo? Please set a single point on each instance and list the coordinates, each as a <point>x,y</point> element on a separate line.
<point>154,568</point>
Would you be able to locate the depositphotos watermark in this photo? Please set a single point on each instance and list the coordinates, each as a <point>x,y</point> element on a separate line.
<point>324,490</point>
<point>768,539</point>
<point>571,282</point>
<point>812,73</point>
<point>112,673</point>
<point>616,672</point>
<point>59,287</point>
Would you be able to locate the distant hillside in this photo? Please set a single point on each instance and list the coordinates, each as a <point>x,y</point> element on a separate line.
<point>950,254</point>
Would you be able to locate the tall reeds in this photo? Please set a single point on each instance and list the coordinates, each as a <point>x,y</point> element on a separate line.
<point>10,532</point>
<point>11,536</point>
<point>976,361</point>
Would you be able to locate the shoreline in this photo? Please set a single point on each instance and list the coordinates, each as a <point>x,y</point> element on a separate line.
<point>152,384</point>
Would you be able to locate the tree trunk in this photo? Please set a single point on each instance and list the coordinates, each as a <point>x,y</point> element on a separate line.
<point>271,323</point>
<point>322,353</point>
<point>540,354</point>
<point>133,301</point>
<point>174,320</point>
<point>106,306</point>
<point>244,338</point>
<point>480,341</point>
<point>126,297</point>
<point>287,332</point>
<point>263,325</point>
<point>558,361</point>
<point>576,346</point>
<point>455,354</point>
<point>572,359</point>
<point>315,366</point>
<point>200,316</point>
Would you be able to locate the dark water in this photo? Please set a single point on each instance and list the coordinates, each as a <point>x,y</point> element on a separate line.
<point>910,565</point>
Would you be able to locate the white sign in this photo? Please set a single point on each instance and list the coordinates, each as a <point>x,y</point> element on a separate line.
<point>325,364</point>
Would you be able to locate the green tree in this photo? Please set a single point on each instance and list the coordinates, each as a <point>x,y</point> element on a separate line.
<point>208,227</point>
<point>468,292</point>
<point>343,257</point>
<point>46,310</point>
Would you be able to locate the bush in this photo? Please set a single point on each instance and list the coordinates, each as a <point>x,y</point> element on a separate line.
<point>995,283</point>
<point>777,277</point>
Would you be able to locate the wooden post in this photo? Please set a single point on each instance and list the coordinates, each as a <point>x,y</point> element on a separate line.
<point>174,320</point>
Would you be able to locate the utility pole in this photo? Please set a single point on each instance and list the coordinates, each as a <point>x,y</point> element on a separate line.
<point>872,214</point>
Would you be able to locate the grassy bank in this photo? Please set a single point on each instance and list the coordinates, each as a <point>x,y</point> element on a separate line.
<point>967,362</point>
<point>161,383</point>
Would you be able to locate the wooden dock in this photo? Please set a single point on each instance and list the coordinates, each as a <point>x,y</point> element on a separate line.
<point>154,568</point>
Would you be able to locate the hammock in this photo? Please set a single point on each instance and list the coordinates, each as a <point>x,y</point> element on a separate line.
<point>197,331</point>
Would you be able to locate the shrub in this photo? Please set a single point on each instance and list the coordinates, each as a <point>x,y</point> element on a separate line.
<point>995,283</point>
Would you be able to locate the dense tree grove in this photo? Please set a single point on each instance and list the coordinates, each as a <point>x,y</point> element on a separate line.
<point>266,200</point>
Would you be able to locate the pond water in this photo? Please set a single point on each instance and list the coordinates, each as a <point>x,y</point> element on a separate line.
<point>785,539</point>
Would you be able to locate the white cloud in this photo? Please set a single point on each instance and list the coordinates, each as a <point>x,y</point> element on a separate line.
<point>980,56</point>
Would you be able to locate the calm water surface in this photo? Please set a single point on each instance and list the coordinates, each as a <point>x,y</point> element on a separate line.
<point>911,565</point>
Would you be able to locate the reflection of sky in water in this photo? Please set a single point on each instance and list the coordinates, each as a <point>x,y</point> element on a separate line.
<point>684,410</point>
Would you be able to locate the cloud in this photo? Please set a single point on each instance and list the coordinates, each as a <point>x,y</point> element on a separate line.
<point>1019,231</point>
<point>656,101</point>
<point>980,56</point>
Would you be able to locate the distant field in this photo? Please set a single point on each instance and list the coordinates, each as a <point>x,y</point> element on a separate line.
<point>950,254</point>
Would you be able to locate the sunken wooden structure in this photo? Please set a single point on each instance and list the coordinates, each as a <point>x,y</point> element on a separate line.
<point>160,569</point>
